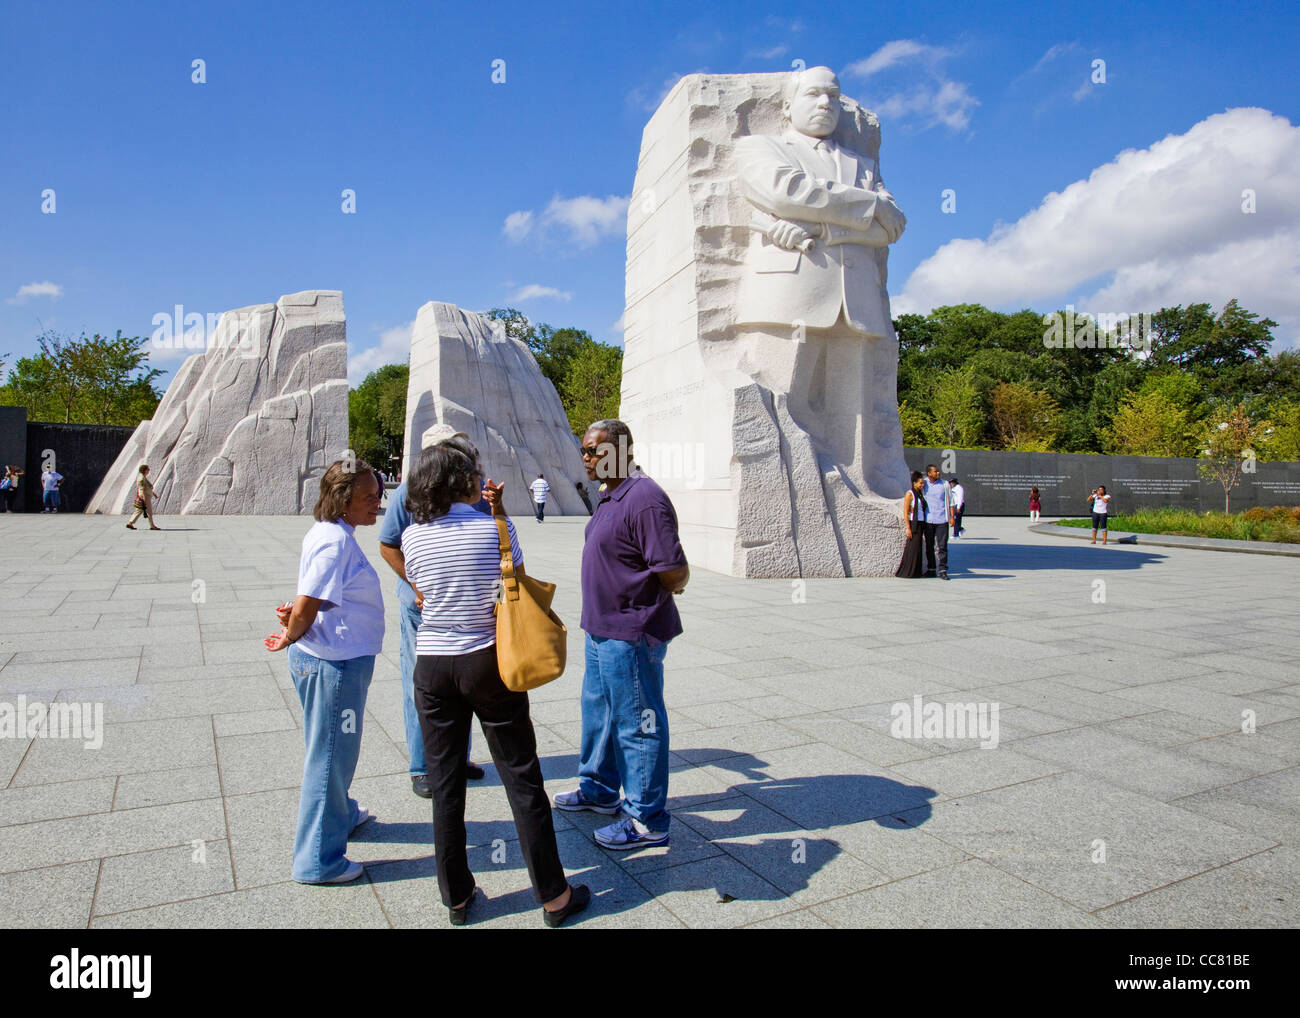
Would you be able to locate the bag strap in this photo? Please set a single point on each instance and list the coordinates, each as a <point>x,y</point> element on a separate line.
<point>508,577</point>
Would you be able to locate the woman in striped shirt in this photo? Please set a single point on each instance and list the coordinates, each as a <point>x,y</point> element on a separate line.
<point>454,565</point>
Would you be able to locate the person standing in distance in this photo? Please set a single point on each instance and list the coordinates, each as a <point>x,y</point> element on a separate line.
<point>1100,508</point>
<point>10,485</point>
<point>540,490</point>
<point>50,481</point>
<point>958,506</point>
<point>938,518</point>
<point>632,565</point>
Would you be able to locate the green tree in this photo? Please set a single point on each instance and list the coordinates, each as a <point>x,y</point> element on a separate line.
<point>916,424</point>
<point>1194,338</point>
<point>377,416</point>
<point>1229,440</point>
<point>1025,419</point>
<point>553,348</point>
<point>1149,423</point>
<point>89,380</point>
<point>1282,440</point>
<point>1178,333</point>
<point>956,420</point>
<point>592,386</point>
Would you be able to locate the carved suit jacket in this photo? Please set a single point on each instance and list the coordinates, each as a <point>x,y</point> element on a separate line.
<point>783,178</point>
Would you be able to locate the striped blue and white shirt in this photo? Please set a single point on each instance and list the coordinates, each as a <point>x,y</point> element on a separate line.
<point>455,563</point>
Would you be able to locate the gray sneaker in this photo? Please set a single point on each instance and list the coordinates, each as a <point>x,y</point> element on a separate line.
<point>575,801</point>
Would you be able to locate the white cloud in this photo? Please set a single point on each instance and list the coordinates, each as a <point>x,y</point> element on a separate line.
<point>897,51</point>
<point>949,104</point>
<point>518,225</point>
<point>1063,73</point>
<point>793,26</point>
<point>533,290</point>
<point>394,347</point>
<point>585,219</point>
<point>771,53</point>
<point>27,290</point>
<point>928,97</point>
<point>1151,228</point>
<point>1053,52</point>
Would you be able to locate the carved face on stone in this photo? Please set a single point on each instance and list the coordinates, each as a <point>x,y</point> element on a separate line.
<point>813,102</point>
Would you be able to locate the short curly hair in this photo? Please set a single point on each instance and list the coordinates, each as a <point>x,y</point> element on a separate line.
<point>336,487</point>
<point>444,474</point>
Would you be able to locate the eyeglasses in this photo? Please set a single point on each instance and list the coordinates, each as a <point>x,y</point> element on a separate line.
<point>590,451</point>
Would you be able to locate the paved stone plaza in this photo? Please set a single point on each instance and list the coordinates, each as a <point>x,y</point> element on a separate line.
<point>1122,791</point>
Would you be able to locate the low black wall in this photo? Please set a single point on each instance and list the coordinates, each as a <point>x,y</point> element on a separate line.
<point>13,436</point>
<point>82,453</point>
<point>998,483</point>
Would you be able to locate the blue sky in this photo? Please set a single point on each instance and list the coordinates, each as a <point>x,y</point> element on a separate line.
<point>228,193</point>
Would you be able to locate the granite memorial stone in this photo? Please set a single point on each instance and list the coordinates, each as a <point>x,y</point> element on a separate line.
<point>758,333</point>
<point>248,426</point>
<point>466,372</point>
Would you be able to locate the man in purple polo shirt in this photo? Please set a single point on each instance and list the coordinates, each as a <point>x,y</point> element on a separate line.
<point>632,565</point>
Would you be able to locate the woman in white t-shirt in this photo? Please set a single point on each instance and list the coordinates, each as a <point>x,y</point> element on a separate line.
<point>1100,503</point>
<point>333,630</point>
<point>453,562</point>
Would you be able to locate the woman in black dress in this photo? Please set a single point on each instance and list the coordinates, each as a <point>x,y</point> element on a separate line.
<point>910,568</point>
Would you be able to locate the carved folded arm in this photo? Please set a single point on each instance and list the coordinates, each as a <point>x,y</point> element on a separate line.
<point>780,186</point>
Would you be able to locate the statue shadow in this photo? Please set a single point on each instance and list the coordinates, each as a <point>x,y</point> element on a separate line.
<point>1023,557</point>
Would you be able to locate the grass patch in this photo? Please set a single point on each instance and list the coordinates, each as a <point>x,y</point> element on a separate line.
<point>1281,524</point>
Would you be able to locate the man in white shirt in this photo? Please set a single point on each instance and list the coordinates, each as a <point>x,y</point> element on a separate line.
<point>958,507</point>
<point>540,490</point>
<point>50,481</point>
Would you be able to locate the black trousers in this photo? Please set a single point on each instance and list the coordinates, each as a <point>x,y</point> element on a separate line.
<point>936,534</point>
<point>449,692</point>
<point>956,521</point>
<point>540,509</point>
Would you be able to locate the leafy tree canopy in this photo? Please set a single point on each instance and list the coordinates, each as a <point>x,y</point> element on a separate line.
<point>88,380</point>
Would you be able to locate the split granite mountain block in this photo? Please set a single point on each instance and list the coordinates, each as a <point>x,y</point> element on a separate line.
<point>249,425</point>
<point>467,372</point>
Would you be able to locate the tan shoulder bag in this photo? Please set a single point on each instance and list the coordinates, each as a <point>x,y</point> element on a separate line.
<point>531,639</point>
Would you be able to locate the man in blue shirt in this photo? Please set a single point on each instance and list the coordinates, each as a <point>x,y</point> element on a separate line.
<point>938,518</point>
<point>396,520</point>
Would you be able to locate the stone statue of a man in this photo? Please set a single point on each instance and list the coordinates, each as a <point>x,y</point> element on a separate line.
<point>812,309</point>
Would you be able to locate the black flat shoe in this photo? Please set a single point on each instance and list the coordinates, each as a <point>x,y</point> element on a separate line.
<point>457,916</point>
<point>474,772</point>
<point>420,786</point>
<point>579,898</point>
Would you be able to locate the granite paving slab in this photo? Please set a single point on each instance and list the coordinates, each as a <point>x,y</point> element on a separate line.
<point>1083,840</point>
<point>970,894</point>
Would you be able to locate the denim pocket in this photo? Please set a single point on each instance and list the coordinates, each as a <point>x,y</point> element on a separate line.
<point>656,652</point>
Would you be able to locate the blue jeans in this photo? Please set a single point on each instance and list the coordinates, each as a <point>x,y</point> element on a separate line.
<point>406,659</point>
<point>625,728</point>
<point>333,695</point>
<point>50,499</point>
